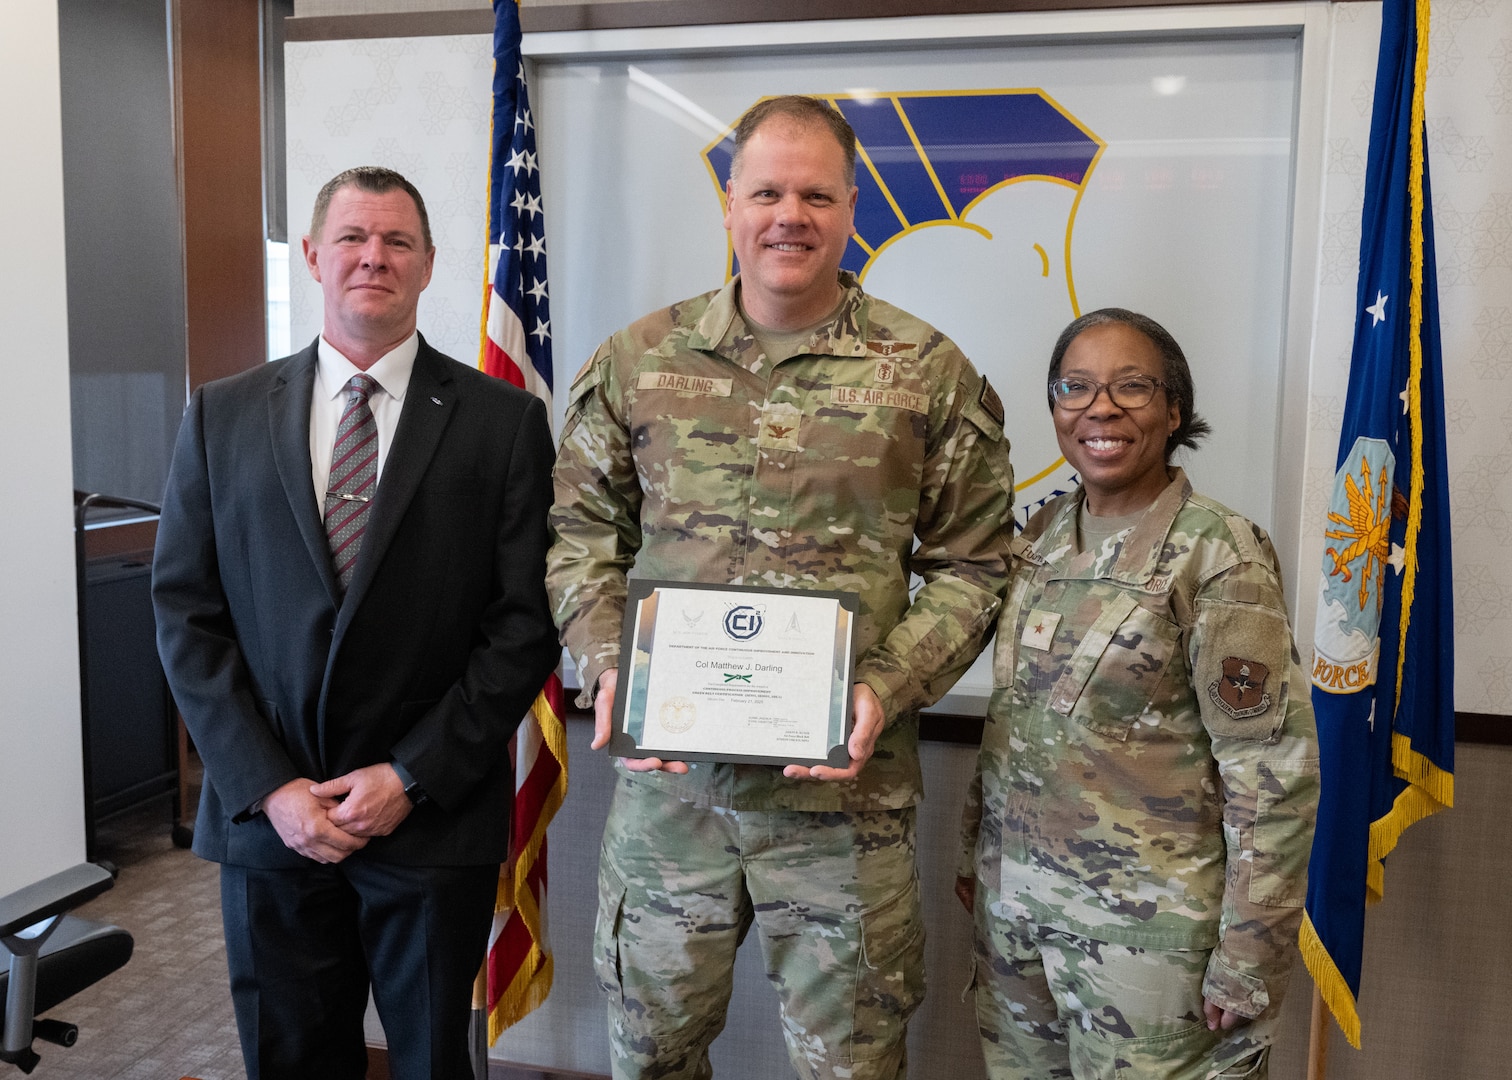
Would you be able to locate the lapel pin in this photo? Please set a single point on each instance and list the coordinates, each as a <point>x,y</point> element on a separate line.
<point>435,399</point>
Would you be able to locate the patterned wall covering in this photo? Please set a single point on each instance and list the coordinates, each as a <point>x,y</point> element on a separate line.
<point>418,105</point>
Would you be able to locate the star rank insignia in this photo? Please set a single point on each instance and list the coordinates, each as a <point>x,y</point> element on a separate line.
<point>1039,630</point>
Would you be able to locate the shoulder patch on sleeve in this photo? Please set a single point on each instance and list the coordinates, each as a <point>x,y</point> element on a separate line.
<point>1242,669</point>
<point>1240,689</point>
<point>979,412</point>
<point>588,377</point>
<point>992,405</point>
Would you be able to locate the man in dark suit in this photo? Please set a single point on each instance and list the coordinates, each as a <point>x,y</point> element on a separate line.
<point>351,611</point>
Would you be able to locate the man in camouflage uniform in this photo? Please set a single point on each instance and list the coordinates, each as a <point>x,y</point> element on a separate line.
<point>791,431</point>
<point>1141,820</point>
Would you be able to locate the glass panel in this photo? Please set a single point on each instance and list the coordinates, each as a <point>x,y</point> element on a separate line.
<point>127,360</point>
<point>277,277</point>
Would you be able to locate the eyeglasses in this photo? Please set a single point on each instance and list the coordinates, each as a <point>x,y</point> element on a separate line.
<point>1129,392</point>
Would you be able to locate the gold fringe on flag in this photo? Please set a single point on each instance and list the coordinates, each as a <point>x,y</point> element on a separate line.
<point>532,980</point>
<point>1330,984</point>
<point>1430,789</point>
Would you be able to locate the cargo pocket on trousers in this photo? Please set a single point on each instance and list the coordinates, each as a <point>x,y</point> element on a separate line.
<point>889,974</point>
<point>606,931</point>
<point>1252,1067</point>
<point>1183,1054</point>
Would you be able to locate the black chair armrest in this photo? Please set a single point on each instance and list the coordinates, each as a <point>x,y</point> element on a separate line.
<point>51,896</point>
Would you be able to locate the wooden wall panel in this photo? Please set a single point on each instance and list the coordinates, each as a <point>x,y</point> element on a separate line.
<point>218,110</point>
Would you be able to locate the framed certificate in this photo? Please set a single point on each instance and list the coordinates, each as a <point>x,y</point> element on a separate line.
<point>735,673</point>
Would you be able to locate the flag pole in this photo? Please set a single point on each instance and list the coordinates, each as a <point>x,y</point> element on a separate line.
<point>1317,1038</point>
<point>477,1025</point>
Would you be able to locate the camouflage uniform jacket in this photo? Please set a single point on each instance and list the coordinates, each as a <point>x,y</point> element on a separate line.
<point>687,455</point>
<point>1148,772</point>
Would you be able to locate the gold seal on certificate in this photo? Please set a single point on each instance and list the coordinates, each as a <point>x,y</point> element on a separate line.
<point>735,673</point>
<point>677,714</point>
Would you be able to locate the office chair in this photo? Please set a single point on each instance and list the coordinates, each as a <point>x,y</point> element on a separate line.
<point>52,957</point>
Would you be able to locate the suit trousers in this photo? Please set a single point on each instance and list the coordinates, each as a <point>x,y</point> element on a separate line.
<point>304,946</point>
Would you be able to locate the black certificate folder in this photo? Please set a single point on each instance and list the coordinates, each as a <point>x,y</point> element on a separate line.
<point>736,673</point>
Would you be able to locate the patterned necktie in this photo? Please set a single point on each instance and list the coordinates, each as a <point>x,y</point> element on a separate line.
<point>353,479</point>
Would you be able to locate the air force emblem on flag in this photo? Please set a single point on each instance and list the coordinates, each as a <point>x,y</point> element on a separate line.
<point>1346,640</point>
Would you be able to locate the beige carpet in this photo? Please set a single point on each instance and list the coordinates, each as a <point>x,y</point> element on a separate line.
<point>167,1013</point>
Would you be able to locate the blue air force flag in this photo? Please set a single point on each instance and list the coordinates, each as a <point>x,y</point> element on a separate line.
<point>1383,647</point>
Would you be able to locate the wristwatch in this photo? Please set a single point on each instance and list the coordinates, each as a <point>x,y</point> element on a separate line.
<point>412,789</point>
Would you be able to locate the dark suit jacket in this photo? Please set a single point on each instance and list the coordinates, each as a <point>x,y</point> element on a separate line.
<point>432,658</point>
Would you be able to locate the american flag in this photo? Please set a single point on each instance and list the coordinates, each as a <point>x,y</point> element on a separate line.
<point>516,309</point>
<point>517,346</point>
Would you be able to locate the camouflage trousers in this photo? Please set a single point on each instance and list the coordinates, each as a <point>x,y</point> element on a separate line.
<point>835,901</point>
<point>1055,1005</point>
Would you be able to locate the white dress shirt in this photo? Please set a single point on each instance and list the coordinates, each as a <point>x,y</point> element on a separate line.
<point>392,373</point>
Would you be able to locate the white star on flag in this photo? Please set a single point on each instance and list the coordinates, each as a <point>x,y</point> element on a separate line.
<point>1377,311</point>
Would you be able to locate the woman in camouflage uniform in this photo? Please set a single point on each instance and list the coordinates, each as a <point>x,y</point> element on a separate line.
<point>1136,837</point>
